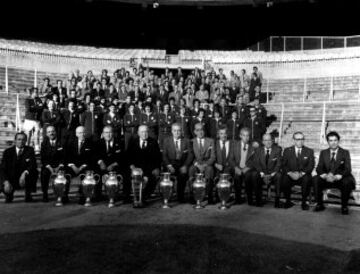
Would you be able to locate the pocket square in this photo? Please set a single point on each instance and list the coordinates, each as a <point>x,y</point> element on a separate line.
<point>118,151</point>
<point>60,148</point>
<point>27,160</point>
<point>305,157</point>
<point>342,162</point>
<point>185,151</point>
<point>274,159</point>
<point>87,149</point>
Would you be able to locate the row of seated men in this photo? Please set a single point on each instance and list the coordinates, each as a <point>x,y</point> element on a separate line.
<point>127,117</point>
<point>250,167</point>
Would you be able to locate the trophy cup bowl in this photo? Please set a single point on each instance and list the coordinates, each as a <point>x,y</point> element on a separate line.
<point>88,182</point>
<point>137,182</point>
<point>166,187</point>
<point>199,190</point>
<point>224,190</point>
<point>112,186</point>
<point>59,181</point>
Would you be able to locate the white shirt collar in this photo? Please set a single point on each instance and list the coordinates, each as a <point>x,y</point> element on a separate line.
<point>332,151</point>
<point>267,149</point>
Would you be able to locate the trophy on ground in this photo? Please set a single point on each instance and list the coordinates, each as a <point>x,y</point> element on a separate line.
<point>88,182</point>
<point>224,189</point>
<point>59,181</point>
<point>137,184</point>
<point>199,189</point>
<point>112,184</point>
<point>166,186</point>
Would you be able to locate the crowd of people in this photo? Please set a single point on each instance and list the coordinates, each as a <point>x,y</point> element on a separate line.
<point>202,122</point>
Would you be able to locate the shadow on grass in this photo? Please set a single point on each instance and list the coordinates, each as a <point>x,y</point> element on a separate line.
<point>165,249</point>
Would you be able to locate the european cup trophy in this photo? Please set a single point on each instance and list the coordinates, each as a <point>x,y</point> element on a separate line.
<point>199,189</point>
<point>112,183</point>
<point>166,187</point>
<point>59,181</point>
<point>88,182</point>
<point>224,189</point>
<point>137,183</point>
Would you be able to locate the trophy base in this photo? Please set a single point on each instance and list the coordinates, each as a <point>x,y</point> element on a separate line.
<point>223,207</point>
<point>198,207</point>
<point>165,206</point>
<point>59,204</point>
<point>138,205</point>
<point>88,204</point>
<point>111,205</point>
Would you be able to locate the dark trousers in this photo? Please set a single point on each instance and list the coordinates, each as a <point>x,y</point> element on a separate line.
<point>346,185</point>
<point>304,182</point>
<point>127,138</point>
<point>239,180</point>
<point>29,182</point>
<point>257,183</point>
<point>150,185</point>
<point>181,179</point>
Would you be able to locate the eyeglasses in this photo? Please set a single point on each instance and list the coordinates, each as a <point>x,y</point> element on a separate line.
<point>299,139</point>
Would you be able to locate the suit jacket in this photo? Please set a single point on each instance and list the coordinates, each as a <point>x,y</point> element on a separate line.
<point>208,154</point>
<point>236,154</point>
<point>305,163</point>
<point>342,162</point>
<point>233,128</point>
<point>218,154</point>
<point>214,126</point>
<point>86,155</point>
<point>257,128</point>
<point>53,119</point>
<point>242,112</point>
<point>274,163</point>
<point>12,166</point>
<point>92,121</point>
<point>148,158</point>
<point>53,156</point>
<point>169,153</point>
<point>115,121</point>
<point>165,122</point>
<point>131,122</point>
<point>185,125</point>
<point>70,120</point>
<point>115,154</point>
<point>33,108</point>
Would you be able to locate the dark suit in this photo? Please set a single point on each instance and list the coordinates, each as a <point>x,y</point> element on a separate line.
<point>114,154</point>
<point>152,122</point>
<point>304,163</point>
<point>177,159</point>
<point>165,121</point>
<point>214,126</point>
<point>257,128</point>
<point>237,153</point>
<point>148,159</point>
<point>131,123</point>
<point>12,166</point>
<point>206,157</point>
<point>79,158</point>
<point>51,118</point>
<point>233,129</point>
<point>71,120</point>
<point>53,156</point>
<point>341,166</point>
<point>185,122</point>
<point>92,122</point>
<point>114,121</point>
<point>273,166</point>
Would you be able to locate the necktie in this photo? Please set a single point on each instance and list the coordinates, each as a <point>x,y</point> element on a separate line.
<point>143,144</point>
<point>201,146</point>
<point>244,147</point>
<point>298,153</point>
<point>107,146</point>
<point>178,151</point>
<point>19,153</point>
<point>80,145</point>
<point>332,162</point>
<point>233,130</point>
<point>267,157</point>
<point>298,159</point>
<point>223,153</point>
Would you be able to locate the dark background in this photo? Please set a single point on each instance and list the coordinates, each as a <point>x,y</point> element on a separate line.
<point>111,24</point>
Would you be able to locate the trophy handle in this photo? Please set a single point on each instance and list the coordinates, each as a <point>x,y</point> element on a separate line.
<point>121,180</point>
<point>82,176</point>
<point>172,177</point>
<point>52,178</point>
<point>216,179</point>
<point>97,178</point>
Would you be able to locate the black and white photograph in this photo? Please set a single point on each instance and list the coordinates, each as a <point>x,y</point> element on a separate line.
<point>180,136</point>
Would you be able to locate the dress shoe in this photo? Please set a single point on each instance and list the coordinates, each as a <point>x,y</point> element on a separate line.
<point>305,206</point>
<point>28,199</point>
<point>45,198</point>
<point>259,204</point>
<point>8,200</point>
<point>288,204</point>
<point>277,203</point>
<point>319,208</point>
<point>65,199</point>
<point>345,210</point>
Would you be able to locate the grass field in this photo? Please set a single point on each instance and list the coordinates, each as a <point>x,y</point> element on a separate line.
<point>165,249</point>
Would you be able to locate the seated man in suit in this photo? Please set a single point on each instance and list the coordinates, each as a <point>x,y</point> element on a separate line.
<point>18,169</point>
<point>52,159</point>
<point>267,164</point>
<point>240,160</point>
<point>334,171</point>
<point>298,163</point>
<point>177,156</point>
<point>109,157</point>
<point>204,158</point>
<point>79,157</point>
<point>143,152</point>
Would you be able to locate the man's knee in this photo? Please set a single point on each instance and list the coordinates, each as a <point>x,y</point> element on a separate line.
<point>209,172</point>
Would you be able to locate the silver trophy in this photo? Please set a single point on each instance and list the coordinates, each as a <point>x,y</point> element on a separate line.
<point>137,184</point>
<point>59,181</point>
<point>88,182</point>
<point>166,186</point>
<point>199,189</point>
<point>224,189</point>
<point>112,184</point>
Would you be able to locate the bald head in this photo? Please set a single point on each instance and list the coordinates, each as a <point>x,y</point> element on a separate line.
<point>267,140</point>
<point>143,132</point>
<point>80,133</point>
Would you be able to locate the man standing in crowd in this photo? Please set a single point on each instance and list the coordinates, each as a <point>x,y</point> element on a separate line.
<point>18,169</point>
<point>52,159</point>
<point>131,123</point>
<point>334,171</point>
<point>266,164</point>
<point>240,160</point>
<point>177,157</point>
<point>298,164</point>
<point>144,153</point>
<point>91,119</point>
<point>256,126</point>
